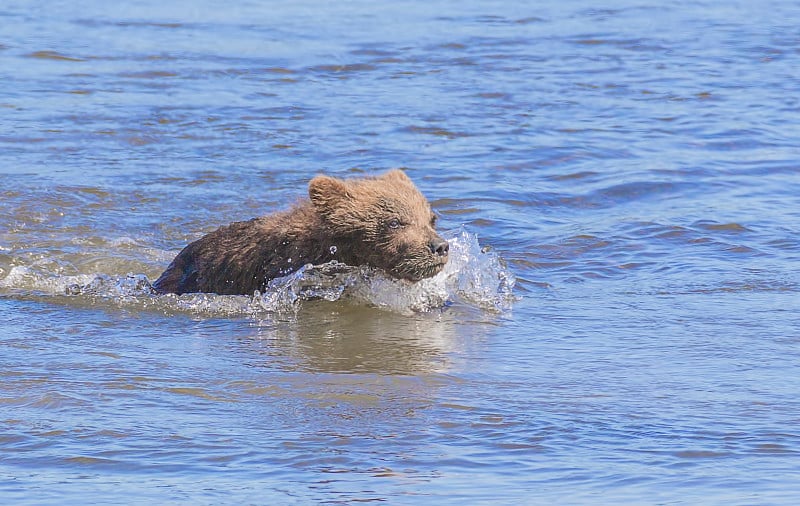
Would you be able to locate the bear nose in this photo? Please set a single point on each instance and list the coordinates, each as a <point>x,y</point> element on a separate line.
<point>439,246</point>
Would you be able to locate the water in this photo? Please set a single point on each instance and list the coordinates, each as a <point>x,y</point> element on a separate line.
<point>629,335</point>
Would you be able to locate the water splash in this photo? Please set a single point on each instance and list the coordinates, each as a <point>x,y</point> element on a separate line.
<point>132,285</point>
<point>474,276</point>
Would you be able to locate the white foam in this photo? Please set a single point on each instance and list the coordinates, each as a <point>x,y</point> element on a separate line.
<point>473,276</point>
<point>27,278</point>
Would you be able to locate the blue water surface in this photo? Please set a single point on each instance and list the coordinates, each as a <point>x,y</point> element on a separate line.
<point>632,166</point>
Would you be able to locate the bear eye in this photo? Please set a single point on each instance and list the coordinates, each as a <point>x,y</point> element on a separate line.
<point>394,223</point>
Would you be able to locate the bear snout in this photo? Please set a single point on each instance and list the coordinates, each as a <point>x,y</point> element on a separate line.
<point>439,246</point>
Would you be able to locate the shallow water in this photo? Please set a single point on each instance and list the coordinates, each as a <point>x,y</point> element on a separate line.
<point>621,185</point>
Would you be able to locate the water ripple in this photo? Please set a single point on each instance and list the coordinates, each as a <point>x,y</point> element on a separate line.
<point>641,185</point>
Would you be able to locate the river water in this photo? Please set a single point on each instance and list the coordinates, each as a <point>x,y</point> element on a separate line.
<point>619,323</point>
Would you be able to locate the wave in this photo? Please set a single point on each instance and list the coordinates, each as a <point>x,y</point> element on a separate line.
<point>475,276</point>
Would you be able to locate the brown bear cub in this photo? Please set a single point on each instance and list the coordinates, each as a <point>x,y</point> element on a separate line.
<point>383,222</point>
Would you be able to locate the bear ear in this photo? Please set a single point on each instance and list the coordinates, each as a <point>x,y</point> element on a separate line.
<point>397,175</point>
<point>326,193</point>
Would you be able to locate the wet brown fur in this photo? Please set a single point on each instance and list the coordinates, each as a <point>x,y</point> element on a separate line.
<point>383,222</point>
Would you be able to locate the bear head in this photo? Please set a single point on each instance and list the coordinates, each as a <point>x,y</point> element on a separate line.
<point>384,222</point>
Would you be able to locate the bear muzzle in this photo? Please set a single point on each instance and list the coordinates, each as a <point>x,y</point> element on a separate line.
<point>439,246</point>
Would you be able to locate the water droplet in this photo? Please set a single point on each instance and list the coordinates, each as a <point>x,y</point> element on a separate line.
<point>333,250</point>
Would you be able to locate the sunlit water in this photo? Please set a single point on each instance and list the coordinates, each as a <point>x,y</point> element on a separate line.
<point>619,322</point>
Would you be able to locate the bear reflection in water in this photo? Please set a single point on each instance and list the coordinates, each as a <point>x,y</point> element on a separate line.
<point>382,222</point>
